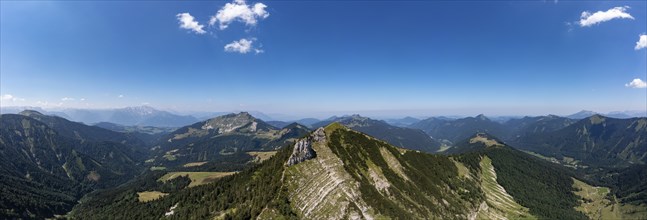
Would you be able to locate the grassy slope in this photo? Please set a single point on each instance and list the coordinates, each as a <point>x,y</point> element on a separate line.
<point>500,204</point>
<point>197,178</point>
<point>261,156</point>
<point>194,164</point>
<point>150,195</point>
<point>543,187</point>
<point>597,203</point>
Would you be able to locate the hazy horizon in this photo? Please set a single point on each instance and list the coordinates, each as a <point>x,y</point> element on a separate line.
<point>383,114</point>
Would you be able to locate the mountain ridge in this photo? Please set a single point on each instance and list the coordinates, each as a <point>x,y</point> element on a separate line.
<point>227,135</point>
<point>44,173</point>
<point>403,137</point>
<point>616,141</point>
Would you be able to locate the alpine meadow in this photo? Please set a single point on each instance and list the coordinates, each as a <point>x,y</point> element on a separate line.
<point>359,109</point>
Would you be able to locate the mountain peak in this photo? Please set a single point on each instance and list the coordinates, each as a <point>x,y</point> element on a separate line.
<point>582,114</point>
<point>482,117</point>
<point>230,122</point>
<point>586,112</point>
<point>357,117</point>
<point>239,115</point>
<point>479,141</point>
<point>30,113</point>
<point>142,110</point>
<point>246,114</point>
<point>597,119</point>
<point>334,126</point>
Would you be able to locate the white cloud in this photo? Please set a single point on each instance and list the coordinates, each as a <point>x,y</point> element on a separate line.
<point>67,99</point>
<point>188,22</point>
<point>7,97</point>
<point>242,46</point>
<point>239,10</point>
<point>642,42</point>
<point>637,84</point>
<point>120,96</point>
<point>82,99</point>
<point>11,98</point>
<point>587,19</point>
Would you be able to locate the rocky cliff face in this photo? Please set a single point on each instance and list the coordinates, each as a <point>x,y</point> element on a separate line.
<point>319,135</point>
<point>303,148</point>
<point>302,151</point>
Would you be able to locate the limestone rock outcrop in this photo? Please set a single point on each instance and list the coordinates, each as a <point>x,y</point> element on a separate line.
<point>303,148</point>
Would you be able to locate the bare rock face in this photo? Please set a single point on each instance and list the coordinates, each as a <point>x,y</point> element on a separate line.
<point>302,151</point>
<point>303,148</point>
<point>319,135</point>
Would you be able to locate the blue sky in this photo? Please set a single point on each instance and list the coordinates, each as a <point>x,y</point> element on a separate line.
<point>321,57</point>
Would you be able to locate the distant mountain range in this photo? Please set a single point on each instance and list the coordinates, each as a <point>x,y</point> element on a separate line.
<point>615,114</point>
<point>305,121</point>
<point>402,122</point>
<point>596,140</point>
<point>459,129</point>
<point>149,116</point>
<point>129,116</point>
